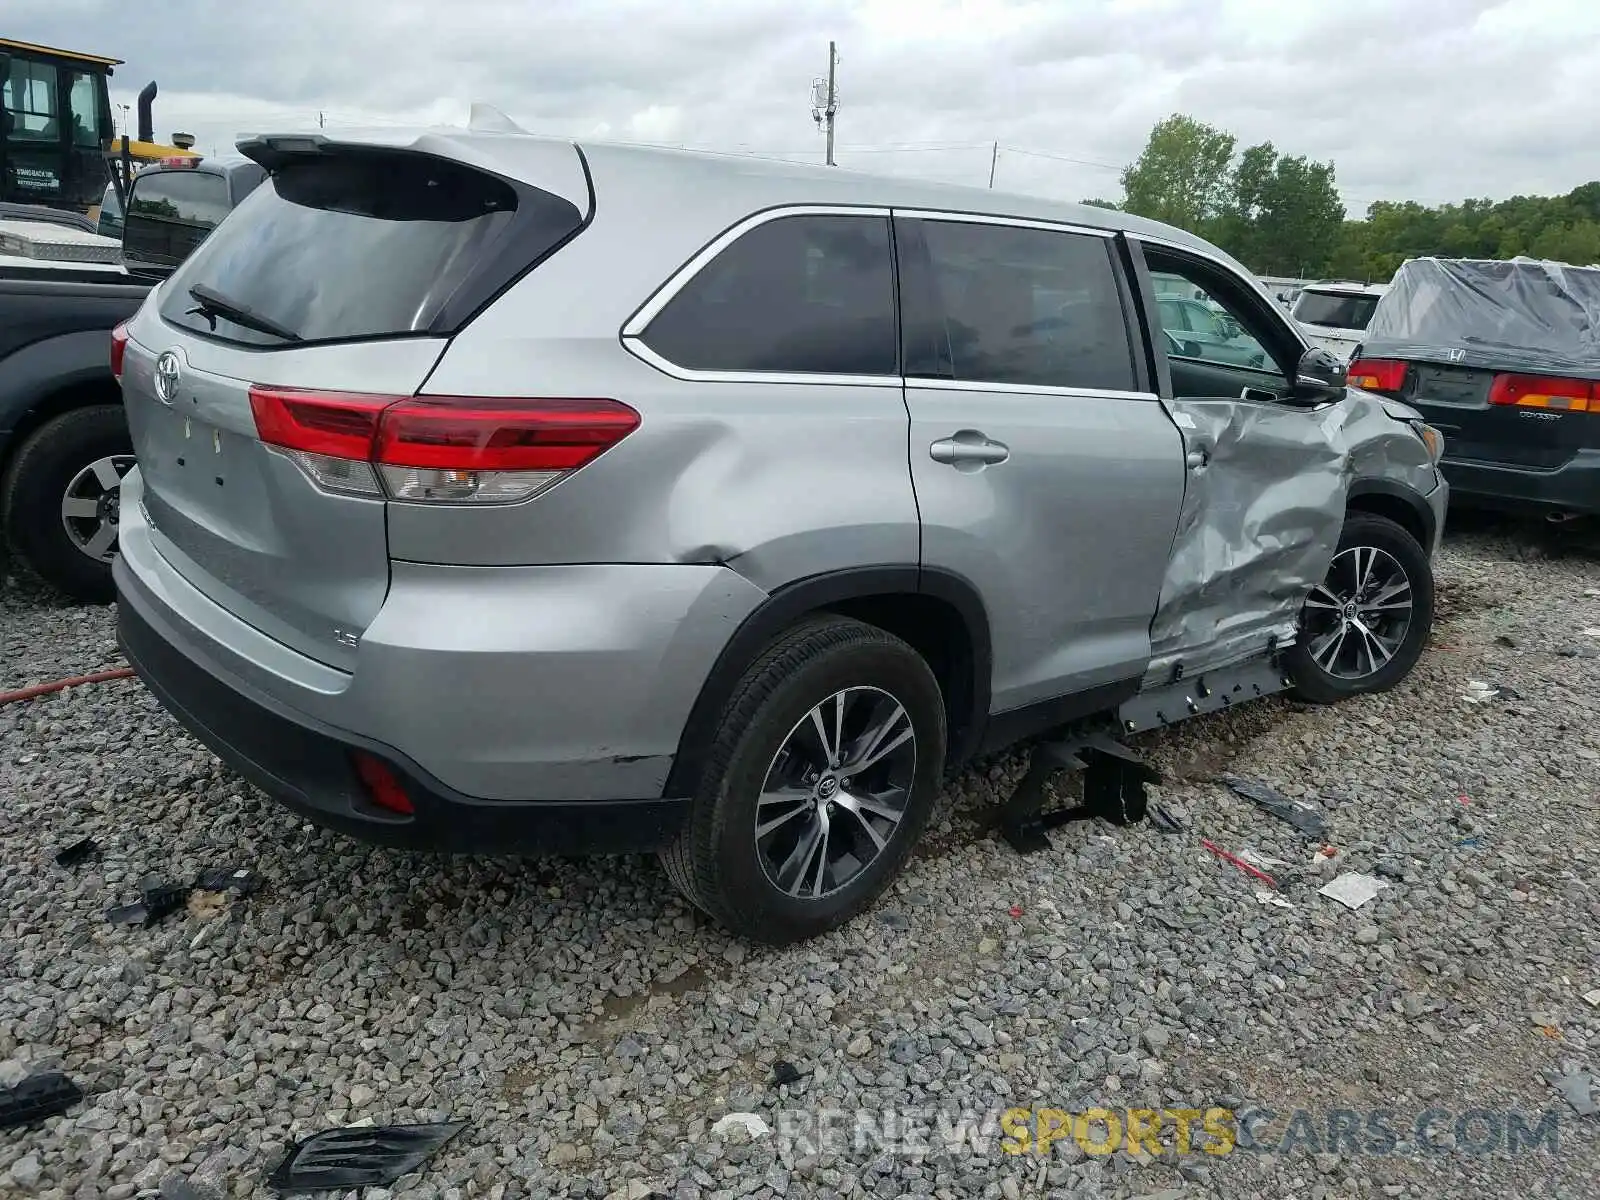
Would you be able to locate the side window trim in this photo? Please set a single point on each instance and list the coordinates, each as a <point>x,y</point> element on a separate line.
<point>633,329</point>
<point>914,269</point>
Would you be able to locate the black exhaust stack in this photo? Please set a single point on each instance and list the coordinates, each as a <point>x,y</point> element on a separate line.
<point>147,124</point>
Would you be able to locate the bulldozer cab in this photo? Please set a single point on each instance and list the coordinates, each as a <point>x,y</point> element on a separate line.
<point>58,145</point>
<point>55,125</point>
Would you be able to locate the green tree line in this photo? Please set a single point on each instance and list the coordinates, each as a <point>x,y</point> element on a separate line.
<point>1281,214</point>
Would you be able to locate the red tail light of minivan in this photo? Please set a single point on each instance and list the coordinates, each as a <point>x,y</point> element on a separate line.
<point>438,449</point>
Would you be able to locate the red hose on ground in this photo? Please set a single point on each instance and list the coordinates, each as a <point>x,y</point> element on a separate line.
<point>61,685</point>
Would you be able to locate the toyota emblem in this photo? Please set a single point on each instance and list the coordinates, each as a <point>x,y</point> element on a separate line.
<point>169,369</point>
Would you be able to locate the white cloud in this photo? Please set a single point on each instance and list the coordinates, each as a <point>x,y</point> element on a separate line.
<point>1433,100</point>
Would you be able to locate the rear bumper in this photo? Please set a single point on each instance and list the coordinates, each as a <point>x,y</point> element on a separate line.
<point>527,709</point>
<point>1573,487</point>
<point>307,767</point>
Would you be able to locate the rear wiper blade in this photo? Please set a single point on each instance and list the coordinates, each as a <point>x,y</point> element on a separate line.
<point>213,304</point>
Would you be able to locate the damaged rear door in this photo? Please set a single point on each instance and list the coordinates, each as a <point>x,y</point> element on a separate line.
<point>1266,483</point>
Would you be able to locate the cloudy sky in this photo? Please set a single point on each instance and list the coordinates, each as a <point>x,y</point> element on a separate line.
<point>1432,100</point>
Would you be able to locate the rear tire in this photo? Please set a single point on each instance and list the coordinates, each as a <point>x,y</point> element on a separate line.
<point>1352,619</point>
<point>768,766</point>
<point>57,467</point>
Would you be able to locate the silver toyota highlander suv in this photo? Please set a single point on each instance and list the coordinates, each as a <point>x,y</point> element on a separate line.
<point>501,494</point>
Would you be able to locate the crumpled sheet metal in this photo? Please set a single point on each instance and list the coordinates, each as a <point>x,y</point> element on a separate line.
<point>1514,314</point>
<point>1259,526</point>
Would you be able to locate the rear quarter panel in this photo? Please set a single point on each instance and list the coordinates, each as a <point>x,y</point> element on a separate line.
<point>776,480</point>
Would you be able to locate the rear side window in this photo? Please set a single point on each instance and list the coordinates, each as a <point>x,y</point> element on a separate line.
<point>362,245</point>
<point>1340,310</point>
<point>801,294</point>
<point>1010,305</point>
<point>170,213</point>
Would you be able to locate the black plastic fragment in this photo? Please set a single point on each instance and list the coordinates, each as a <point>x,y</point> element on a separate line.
<point>37,1097</point>
<point>359,1156</point>
<point>1505,641</point>
<point>75,853</point>
<point>1161,817</point>
<point>1302,816</point>
<point>239,880</point>
<point>157,900</point>
<point>784,1072</point>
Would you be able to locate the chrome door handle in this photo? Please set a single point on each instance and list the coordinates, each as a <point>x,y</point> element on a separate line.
<point>969,448</point>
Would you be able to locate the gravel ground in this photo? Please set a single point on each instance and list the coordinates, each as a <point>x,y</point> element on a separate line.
<point>592,1029</point>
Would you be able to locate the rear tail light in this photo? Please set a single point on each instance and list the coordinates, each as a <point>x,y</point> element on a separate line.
<point>1377,374</point>
<point>1545,391</point>
<point>119,348</point>
<point>383,786</point>
<point>438,449</point>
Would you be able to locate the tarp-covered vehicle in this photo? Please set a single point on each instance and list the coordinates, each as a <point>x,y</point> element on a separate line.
<point>1503,357</point>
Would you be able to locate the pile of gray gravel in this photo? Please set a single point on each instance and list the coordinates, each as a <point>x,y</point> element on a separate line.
<point>594,1031</point>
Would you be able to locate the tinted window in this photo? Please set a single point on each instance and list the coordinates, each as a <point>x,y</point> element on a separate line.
<point>796,294</point>
<point>1210,330</point>
<point>29,95</point>
<point>1023,306</point>
<point>363,245</point>
<point>1340,310</point>
<point>85,106</point>
<point>170,213</point>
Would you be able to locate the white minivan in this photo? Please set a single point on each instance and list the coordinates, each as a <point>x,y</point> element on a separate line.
<point>1335,315</point>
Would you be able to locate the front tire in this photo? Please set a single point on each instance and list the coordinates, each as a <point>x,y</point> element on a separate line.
<point>1364,627</point>
<point>821,774</point>
<point>60,502</point>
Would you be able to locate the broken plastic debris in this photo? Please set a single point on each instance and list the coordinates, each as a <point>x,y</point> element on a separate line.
<point>359,1156</point>
<point>1257,859</point>
<point>1163,819</point>
<point>1273,899</point>
<point>79,850</point>
<point>239,880</point>
<point>1016,912</point>
<point>1592,998</point>
<point>1353,889</point>
<point>157,901</point>
<point>1302,816</point>
<point>749,1122</point>
<point>37,1097</point>
<point>1239,862</point>
<point>1576,1087</point>
<point>1479,692</point>
<point>1505,641</point>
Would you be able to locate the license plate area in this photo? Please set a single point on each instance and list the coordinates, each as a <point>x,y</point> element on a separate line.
<point>1460,387</point>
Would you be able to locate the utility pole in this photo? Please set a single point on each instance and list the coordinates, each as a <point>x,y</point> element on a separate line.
<point>994,159</point>
<point>825,99</point>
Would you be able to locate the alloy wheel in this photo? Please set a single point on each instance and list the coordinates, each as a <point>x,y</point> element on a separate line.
<point>90,506</point>
<point>1355,621</point>
<point>835,792</point>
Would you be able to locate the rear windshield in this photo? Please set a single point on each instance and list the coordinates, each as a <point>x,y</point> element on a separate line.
<point>1338,309</point>
<point>352,246</point>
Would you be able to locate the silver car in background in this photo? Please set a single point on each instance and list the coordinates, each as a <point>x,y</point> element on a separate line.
<point>499,493</point>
